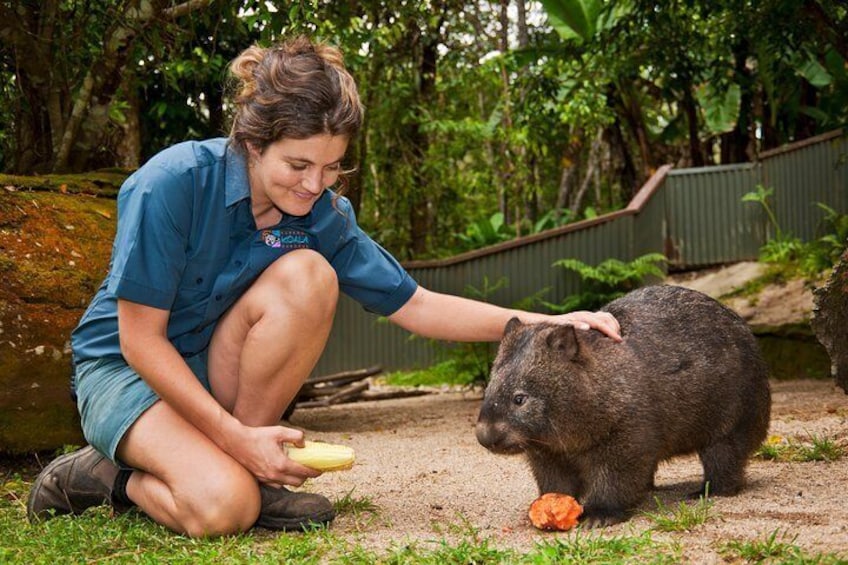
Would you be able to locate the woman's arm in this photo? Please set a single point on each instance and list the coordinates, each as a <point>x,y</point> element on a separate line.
<point>453,318</point>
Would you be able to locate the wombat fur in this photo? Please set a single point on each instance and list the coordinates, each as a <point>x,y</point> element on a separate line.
<point>595,416</point>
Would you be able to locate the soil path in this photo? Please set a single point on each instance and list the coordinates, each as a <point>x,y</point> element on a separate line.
<point>419,463</point>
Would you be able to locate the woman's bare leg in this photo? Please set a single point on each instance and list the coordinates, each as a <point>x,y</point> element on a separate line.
<point>183,480</point>
<point>267,344</point>
<point>261,353</point>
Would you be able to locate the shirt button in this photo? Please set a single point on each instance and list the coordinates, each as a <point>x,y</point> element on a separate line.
<point>199,281</point>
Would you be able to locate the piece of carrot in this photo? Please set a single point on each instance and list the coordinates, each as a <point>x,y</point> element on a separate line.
<point>555,511</point>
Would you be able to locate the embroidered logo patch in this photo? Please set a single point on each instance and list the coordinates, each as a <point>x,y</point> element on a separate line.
<point>286,239</point>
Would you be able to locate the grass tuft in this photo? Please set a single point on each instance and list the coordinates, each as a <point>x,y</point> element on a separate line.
<point>596,548</point>
<point>816,448</point>
<point>684,518</point>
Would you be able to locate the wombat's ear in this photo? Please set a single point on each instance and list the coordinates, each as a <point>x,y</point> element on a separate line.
<point>563,338</point>
<point>512,324</point>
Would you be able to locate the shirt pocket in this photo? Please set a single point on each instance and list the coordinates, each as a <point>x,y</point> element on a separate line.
<point>195,286</point>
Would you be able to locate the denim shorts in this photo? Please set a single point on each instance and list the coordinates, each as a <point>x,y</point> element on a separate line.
<point>111,396</point>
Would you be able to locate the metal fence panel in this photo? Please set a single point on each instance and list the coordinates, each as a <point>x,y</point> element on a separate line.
<point>708,221</point>
<point>801,178</point>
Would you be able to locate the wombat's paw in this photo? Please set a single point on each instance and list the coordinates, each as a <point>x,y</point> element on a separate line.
<point>594,517</point>
<point>707,491</point>
<point>721,488</point>
<point>699,494</point>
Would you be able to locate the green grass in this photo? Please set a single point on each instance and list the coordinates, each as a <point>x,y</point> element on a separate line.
<point>594,548</point>
<point>776,549</point>
<point>684,518</point>
<point>816,448</point>
<point>444,373</point>
<point>98,537</point>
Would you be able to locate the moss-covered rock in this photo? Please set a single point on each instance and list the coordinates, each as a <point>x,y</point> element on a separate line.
<point>55,238</point>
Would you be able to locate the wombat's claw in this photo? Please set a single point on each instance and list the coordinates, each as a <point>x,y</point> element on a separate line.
<point>601,518</point>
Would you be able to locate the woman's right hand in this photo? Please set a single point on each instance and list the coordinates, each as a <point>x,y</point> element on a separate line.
<point>261,450</point>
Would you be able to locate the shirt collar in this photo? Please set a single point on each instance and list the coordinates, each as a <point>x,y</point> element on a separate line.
<point>237,183</point>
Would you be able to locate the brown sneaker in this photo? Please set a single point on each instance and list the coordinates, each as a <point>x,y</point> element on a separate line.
<point>70,484</point>
<point>283,509</point>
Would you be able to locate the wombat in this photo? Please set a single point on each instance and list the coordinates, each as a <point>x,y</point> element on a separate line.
<point>595,416</point>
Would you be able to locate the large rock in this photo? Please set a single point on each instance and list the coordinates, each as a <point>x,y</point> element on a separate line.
<point>830,320</point>
<point>54,251</point>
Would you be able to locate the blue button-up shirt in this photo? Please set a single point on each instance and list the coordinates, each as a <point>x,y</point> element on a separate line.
<point>187,242</point>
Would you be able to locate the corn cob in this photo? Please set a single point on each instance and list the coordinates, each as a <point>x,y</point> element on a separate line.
<point>322,456</point>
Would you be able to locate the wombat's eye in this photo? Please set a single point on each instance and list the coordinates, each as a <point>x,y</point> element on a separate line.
<point>519,399</point>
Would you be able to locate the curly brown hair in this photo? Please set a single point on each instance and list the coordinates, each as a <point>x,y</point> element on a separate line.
<point>293,90</point>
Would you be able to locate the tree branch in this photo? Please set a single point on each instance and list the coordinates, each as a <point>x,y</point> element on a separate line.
<point>185,8</point>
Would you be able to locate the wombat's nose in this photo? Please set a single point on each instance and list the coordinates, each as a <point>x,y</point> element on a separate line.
<point>484,433</point>
<point>490,435</point>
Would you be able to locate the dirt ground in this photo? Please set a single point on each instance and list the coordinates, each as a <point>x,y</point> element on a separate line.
<point>419,463</point>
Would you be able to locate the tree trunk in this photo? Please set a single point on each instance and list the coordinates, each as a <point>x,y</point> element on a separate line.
<point>129,146</point>
<point>566,183</point>
<point>631,111</point>
<point>591,167</point>
<point>419,210</point>
<point>830,320</point>
<point>507,168</point>
<point>695,154</point>
<point>738,146</point>
<point>28,33</point>
<point>622,160</point>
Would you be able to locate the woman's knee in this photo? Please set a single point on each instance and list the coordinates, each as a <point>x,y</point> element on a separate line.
<point>306,278</point>
<point>223,505</point>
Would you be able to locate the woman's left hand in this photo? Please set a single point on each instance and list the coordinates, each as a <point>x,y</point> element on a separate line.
<point>604,322</point>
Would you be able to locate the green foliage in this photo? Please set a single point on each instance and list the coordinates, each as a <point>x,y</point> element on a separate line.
<point>574,19</point>
<point>452,372</point>
<point>486,231</point>
<point>553,219</point>
<point>607,281</point>
<point>777,448</point>
<point>763,195</point>
<point>824,252</point>
<point>721,109</point>
<point>808,259</point>
<point>486,125</point>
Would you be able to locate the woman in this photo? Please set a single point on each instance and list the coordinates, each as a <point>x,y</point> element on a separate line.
<point>226,268</point>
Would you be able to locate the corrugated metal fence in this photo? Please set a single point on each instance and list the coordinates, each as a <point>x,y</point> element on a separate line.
<point>695,216</point>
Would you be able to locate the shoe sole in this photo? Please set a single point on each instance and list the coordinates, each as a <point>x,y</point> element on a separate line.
<point>300,524</point>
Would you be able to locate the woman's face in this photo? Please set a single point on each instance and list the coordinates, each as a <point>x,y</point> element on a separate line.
<point>292,173</point>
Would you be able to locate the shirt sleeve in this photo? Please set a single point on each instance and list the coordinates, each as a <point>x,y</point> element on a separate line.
<point>154,216</point>
<point>367,273</point>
